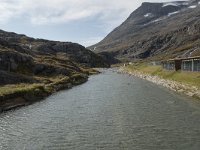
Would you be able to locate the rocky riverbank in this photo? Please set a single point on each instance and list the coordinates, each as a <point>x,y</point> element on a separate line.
<point>189,90</point>
<point>33,93</point>
<point>32,69</point>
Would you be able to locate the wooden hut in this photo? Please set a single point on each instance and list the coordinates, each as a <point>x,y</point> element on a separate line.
<point>172,64</point>
<point>191,64</point>
<point>184,64</point>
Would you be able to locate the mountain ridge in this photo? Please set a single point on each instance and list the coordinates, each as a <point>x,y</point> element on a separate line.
<point>155,29</point>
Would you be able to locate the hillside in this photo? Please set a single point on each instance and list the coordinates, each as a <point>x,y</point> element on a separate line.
<point>156,30</point>
<point>31,69</point>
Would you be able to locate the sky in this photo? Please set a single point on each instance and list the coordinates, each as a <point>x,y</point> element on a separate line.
<point>80,21</point>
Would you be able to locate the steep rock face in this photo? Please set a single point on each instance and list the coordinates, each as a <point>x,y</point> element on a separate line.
<point>108,58</point>
<point>156,30</point>
<point>12,60</point>
<point>27,45</point>
<point>74,52</point>
<point>24,59</point>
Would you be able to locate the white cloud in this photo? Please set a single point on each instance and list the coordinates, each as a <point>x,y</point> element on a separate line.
<point>41,12</point>
<point>8,10</point>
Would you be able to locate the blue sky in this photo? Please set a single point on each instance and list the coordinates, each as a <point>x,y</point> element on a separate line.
<point>81,21</point>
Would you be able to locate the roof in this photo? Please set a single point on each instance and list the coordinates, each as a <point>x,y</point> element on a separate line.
<point>195,57</point>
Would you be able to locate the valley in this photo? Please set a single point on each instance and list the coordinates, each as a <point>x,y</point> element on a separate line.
<point>138,88</point>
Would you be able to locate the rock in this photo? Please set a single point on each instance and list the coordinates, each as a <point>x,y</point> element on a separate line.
<point>13,78</point>
<point>190,94</point>
<point>11,60</point>
<point>180,90</point>
<point>75,52</point>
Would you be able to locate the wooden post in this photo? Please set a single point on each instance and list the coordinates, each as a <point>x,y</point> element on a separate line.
<point>192,65</point>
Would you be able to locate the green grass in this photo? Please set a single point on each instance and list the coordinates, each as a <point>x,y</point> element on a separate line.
<point>89,71</point>
<point>60,80</point>
<point>18,88</point>
<point>192,78</point>
<point>46,84</point>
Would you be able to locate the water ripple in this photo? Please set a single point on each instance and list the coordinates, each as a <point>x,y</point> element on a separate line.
<point>112,112</point>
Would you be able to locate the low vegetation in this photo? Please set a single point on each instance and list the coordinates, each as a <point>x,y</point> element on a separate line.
<point>191,78</point>
<point>17,88</point>
<point>16,95</point>
<point>47,84</point>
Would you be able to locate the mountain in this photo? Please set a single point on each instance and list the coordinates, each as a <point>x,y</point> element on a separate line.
<point>31,69</point>
<point>156,30</point>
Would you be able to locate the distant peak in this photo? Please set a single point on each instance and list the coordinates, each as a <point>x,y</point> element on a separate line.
<point>150,3</point>
<point>146,3</point>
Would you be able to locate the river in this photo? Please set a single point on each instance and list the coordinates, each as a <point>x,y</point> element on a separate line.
<point>110,112</point>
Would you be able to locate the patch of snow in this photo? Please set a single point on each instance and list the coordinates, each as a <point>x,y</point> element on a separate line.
<point>170,4</point>
<point>185,3</point>
<point>193,51</point>
<point>148,15</point>
<point>154,21</point>
<point>173,13</point>
<point>159,19</point>
<point>194,6</point>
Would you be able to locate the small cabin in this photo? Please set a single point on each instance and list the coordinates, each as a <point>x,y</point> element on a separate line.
<point>172,64</point>
<point>191,64</point>
<point>184,64</point>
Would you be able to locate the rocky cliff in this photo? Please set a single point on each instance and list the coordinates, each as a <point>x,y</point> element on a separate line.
<point>157,30</point>
<point>27,57</point>
<point>31,69</point>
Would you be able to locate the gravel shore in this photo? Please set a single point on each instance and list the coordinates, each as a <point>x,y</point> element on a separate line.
<point>179,87</point>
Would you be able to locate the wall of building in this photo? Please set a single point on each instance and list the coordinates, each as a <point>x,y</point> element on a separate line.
<point>190,64</point>
<point>187,65</point>
<point>196,64</point>
<point>169,65</point>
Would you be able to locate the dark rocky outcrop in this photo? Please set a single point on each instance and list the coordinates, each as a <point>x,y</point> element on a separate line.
<point>31,69</point>
<point>23,55</point>
<point>13,78</point>
<point>108,58</point>
<point>11,61</point>
<point>73,51</point>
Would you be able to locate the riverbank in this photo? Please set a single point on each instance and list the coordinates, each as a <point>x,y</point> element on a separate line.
<point>171,80</point>
<point>13,96</point>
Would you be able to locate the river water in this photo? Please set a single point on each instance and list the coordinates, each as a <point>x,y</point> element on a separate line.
<point>110,112</point>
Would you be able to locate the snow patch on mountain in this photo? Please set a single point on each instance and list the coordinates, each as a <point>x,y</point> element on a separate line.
<point>159,19</point>
<point>173,13</point>
<point>170,4</point>
<point>148,15</point>
<point>193,6</point>
<point>185,3</point>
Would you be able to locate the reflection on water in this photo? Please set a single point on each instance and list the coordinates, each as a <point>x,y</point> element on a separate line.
<point>112,112</point>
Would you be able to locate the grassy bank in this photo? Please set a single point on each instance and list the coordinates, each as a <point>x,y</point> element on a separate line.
<point>16,95</point>
<point>191,78</point>
<point>19,88</point>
